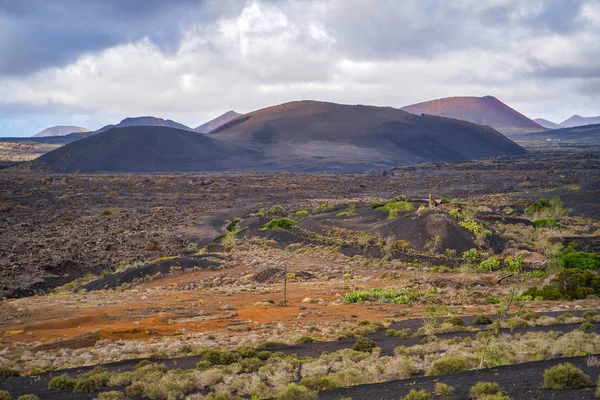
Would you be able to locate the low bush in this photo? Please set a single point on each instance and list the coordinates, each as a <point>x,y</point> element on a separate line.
<point>587,326</point>
<point>284,223</point>
<point>489,265</point>
<point>294,391</point>
<point>323,208</point>
<point>4,395</point>
<point>221,357</point>
<point>6,373</point>
<point>401,333</point>
<point>305,339</point>
<point>28,397</point>
<point>551,208</point>
<point>448,365</point>
<point>475,228</point>
<point>579,259</point>
<point>569,284</point>
<point>61,382</point>
<point>319,383</point>
<point>92,381</point>
<point>590,314</point>
<point>418,395</point>
<point>112,395</point>
<point>546,223</point>
<point>393,207</point>
<point>566,377</point>
<point>455,321</point>
<point>484,388</point>
<point>364,344</point>
<point>472,256</point>
<point>443,390</point>
<point>482,320</point>
<point>273,212</point>
<point>248,365</point>
<point>301,212</point>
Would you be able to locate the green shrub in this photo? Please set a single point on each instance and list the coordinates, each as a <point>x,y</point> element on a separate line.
<point>112,395</point>
<point>456,321</point>
<point>248,365</point>
<point>448,365</point>
<point>273,212</point>
<point>443,390</point>
<point>221,357</point>
<point>579,259</point>
<point>418,395</point>
<point>587,326</point>
<point>142,363</point>
<point>472,256</point>
<point>364,344</point>
<point>301,212</point>
<point>343,214</point>
<point>323,208</point>
<point>401,333</point>
<point>455,214</point>
<point>475,228</point>
<point>221,396</point>
<point>484,388</point>
<point>28,397</point>
<point>61,382</point>
<point>564,317</point>
<point>492,300</point>
<point>92,381</point>
<point>590,314</point>
<point>482,320</point>
<point>284,223</point>
<point>305,339</point>
<point>547,207</point>
<point>4,395</point>
<point>489,265</point>
<point>319,383</point>
<point>136,389</point>
<point>569,284</point>
<point>6,373</point>
<point>566,377</point>
<point>296,392</point>
<point>444,200</point>
<point>546,223</point>
<point>393,207</point>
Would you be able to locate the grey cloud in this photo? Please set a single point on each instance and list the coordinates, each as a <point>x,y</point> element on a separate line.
<point>35,34</point>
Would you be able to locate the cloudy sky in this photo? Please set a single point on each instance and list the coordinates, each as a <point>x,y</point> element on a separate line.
<point>94,62</point>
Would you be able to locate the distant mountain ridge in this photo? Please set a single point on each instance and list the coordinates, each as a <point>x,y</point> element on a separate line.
<point>217,122</point>
<point>580,134</point>
<point>577,120</point>
<point>486,110</point>
<point>546,123</point>
<point>60,130</point>
<point>306,136</point>
<point>145,121</point>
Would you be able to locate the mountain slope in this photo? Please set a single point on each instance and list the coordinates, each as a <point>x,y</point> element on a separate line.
<point>60,130</point>
<point>547,124</point>
<point>145,149</point>
<point>217,122</point>
<point>577,120</point>
<point>298,136</point>
<point>485,110</point>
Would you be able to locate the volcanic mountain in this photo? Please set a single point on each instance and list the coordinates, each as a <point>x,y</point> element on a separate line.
<point>547,124</point>
<point>217,122</point>
<point>577,120</point>
<point>297,136</point>
<point>60,130</point>
<point>145,121</point>
<point>147,149</point>
<point>486,110</point>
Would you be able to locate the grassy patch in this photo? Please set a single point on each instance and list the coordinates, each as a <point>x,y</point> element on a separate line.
<point>393,207</point>
<point>283,223</point>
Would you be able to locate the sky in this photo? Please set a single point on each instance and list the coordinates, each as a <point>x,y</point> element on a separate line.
<point>94,62</point>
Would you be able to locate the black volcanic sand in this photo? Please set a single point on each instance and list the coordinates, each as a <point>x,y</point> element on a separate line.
<point>38,384</point>
<point>519,381</point>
